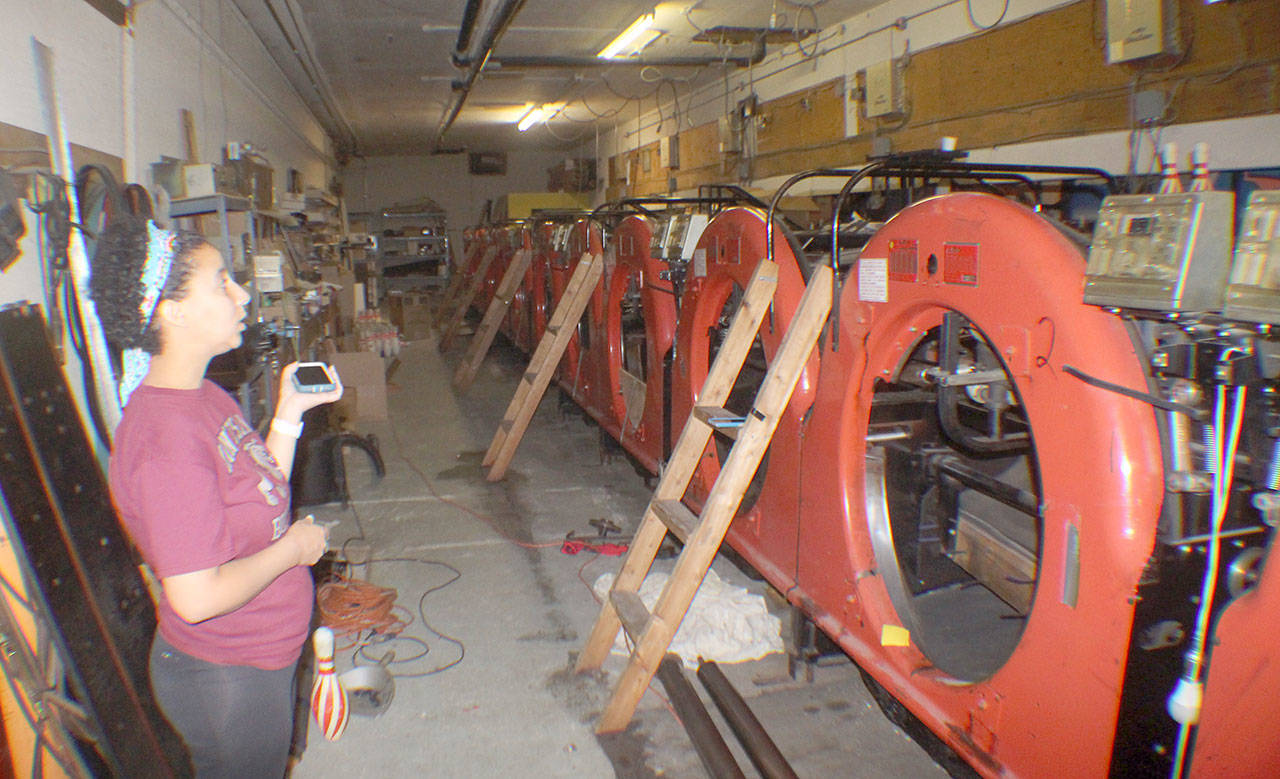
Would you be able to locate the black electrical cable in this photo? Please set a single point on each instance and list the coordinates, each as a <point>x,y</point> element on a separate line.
<point>1145,397</point>
<point>968,7</point>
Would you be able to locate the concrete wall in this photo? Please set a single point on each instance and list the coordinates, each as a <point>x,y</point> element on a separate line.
<point>120,93</point>
<point>373,183</point>
<point>193,54</point>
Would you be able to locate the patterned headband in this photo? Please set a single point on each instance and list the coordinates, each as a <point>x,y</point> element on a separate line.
<point>162,247</point>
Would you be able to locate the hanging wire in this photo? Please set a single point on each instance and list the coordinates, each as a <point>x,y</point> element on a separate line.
<point>968,8</point>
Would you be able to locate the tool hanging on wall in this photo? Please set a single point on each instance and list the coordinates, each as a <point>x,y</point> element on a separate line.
<point>12,228</point>
<point>99,358</point>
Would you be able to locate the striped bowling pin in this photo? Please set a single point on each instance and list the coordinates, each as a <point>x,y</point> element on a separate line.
<point>328,698</point>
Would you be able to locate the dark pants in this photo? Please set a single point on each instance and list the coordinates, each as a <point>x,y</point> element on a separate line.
<point>236,720</point>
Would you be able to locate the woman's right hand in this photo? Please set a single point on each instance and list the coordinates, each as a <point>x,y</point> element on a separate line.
<point>310,539</point>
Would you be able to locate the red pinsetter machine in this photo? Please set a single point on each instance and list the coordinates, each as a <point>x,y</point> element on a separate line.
<point>1029,479</point>
<point>582,365</point>
<point>1033,487</point>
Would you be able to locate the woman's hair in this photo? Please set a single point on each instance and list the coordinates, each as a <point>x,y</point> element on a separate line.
<point>116,281</point>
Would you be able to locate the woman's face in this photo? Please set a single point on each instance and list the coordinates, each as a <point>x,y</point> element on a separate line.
<point>214,305</point>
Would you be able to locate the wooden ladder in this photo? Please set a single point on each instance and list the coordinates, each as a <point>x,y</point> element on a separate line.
<point>543,364</point>
<point>702,535</point>
<point>498,306</point>
<point>457,307</point>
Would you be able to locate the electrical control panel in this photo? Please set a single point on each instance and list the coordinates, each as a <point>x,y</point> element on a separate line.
<point>690,233</point>
<point>658,238</point>
<point>1254,291</point>
<point>560,238</point>
<point>884,89</point>
<point>1141,28</point>
<point>1166,252</point>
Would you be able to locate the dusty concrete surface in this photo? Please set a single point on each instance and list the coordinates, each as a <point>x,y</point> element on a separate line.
<point>511,705</point>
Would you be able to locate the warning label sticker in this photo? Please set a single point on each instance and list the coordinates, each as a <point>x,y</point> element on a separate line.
<point>904,261</point>
<point>960,264</point>
<point>873,279</point>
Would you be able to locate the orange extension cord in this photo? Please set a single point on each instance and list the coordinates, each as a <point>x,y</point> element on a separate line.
<point>349,606</point>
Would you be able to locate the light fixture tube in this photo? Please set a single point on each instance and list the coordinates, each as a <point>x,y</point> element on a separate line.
<point>627,37</point>
<point>534,116</point>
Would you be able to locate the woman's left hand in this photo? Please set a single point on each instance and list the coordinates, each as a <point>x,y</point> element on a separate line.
<point>293,403</point>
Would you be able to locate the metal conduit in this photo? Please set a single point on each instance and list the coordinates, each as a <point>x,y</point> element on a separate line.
<point>697,722</point>
<point>764,754</point>
<point>469,15</point>
<point>501,21</point>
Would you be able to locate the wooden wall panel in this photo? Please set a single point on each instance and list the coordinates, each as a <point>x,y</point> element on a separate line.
<point>1036,79</point>
<point>700,148</point>
<point>804,118</point>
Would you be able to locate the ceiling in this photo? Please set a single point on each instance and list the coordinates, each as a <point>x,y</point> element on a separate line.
<point>380,74</point>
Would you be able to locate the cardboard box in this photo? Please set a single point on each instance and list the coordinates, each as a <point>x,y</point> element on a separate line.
<point>405,309</point>
<point>199,180</point>
<point>416,331</point>
<point>364,381</point>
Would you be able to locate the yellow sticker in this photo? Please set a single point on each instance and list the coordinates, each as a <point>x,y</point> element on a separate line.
<point>894,635</point>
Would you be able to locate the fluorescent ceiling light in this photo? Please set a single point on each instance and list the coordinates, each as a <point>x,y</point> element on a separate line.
<point>626,41</point>
<point>535,115</point>
<point>543,113</point>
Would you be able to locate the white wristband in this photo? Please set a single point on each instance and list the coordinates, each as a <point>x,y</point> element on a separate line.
<point>291,429</point>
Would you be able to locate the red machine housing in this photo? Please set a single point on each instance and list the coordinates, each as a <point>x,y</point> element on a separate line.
<point>1050,708</point>
<point>501,240</point>
<point>518,324</point>
<point>634,360</point>
<point>581,368</point>
<point>537,285</point>
<point>725,259</point>
<point>1028,689</point>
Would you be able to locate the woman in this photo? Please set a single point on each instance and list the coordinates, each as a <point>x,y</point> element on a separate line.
<point>206,500</point>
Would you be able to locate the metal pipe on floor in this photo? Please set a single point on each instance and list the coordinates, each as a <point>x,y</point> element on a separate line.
<point>764,754</point>
<point>697,722</point>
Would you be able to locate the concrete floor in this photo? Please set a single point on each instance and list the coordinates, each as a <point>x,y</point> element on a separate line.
<point>522,608</point>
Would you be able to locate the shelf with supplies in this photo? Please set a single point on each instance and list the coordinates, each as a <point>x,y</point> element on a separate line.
<point>412,245</point>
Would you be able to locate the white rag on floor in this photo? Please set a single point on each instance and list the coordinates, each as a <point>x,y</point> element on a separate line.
<point>726,623</point>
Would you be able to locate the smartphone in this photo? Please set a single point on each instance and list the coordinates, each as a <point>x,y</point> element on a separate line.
<point>314,377</point>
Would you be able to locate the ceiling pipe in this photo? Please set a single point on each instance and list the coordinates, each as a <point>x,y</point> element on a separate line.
<point>469,15</point>
<point>501,20</point>
<point>526,63</point>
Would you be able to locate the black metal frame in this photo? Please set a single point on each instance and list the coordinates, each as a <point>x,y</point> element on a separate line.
<point>85,578</point>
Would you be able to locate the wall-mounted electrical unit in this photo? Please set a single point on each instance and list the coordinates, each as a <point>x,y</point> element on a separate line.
<point>730,138</point>
<point>884,89</point>
<point>1141,28</point>
<point>852,97</point>
<point>669,152</point>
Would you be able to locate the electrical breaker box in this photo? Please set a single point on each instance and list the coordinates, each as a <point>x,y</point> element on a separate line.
<point>1254,291</point>
<point>1161,252</point>
<point>669,152</point>
<point>884,89</point>
<point>1141,28</point>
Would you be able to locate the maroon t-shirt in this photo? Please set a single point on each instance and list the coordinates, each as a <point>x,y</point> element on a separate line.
<point>196,488</point>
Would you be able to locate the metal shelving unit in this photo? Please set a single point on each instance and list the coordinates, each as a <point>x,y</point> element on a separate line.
<point>417,250</point>
<point>231,369</point>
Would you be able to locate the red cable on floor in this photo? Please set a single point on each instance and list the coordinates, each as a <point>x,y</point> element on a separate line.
<point>351,605</point>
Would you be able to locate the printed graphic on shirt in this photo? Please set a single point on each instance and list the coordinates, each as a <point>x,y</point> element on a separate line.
<point>235,437</point>
<point>233,431</point>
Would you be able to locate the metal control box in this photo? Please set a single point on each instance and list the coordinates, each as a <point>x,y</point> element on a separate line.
<point>692,233</point>
<point>1161,252</point>
<point>658,237</point>
<point>1254,291</point>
